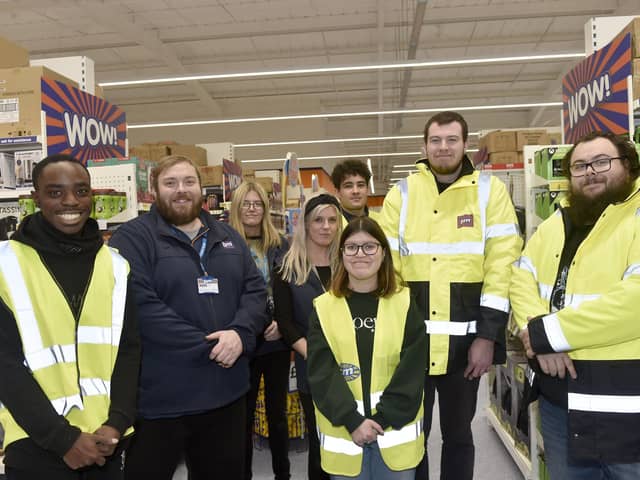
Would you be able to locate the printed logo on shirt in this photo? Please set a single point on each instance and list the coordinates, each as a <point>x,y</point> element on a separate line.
<point>465,221</point>
<point>367,322</point>
<point>228,244</point>
<point>349,371</point>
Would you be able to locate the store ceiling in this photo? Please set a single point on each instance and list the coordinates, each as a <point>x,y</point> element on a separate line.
<point>142,39</point>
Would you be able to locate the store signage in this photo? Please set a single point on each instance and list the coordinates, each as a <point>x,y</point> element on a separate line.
<point>18,140</point>
<point>232,174</point>
<point>595,94</point>
<point>80,124</point>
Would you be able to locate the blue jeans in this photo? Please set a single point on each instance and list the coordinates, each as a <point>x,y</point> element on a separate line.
<point>555,421</point>
<point>374,468</point>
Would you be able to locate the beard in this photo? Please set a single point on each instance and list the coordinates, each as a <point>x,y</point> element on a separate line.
<point>585,210</point>
<point>179,217</point>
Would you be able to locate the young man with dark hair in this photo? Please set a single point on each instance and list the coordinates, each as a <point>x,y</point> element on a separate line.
<point>351,181</point>
<point>453,233</point>
<point>201,303</point>
<point>69,343</point>
<point>574,294</point>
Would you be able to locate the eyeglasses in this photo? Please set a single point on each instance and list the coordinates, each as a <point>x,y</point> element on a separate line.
<point>257,205</point>
<point>599,165</point>
<point>351,249</point>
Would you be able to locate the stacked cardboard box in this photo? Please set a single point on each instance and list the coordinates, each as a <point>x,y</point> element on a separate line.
<point>155,152</point>
<point>506,146</point>
<point>634,28</point>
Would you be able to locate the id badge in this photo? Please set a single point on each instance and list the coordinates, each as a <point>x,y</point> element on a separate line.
<point>207,284</point>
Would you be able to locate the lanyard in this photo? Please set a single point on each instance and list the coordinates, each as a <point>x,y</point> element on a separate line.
<point>203,246</point>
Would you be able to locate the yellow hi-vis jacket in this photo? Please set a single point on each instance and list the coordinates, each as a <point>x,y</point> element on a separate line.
<point>71,363</point>
<point>598,327</point>
<point>400,449</point>
<point>455,250</point>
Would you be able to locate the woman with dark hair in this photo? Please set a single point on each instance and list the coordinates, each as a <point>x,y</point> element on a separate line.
<point>250,216</point>
<point>367,355</point>
<point>306,273</point>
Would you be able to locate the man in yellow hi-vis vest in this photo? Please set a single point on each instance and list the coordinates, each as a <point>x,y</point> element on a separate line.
<point>69,343</point>
<point>454,235</point>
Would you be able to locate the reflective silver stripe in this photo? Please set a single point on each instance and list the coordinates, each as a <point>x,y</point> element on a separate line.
<point>484,189</point>
<point>495,302</point>
<point>408,433</point>
<point>574,300</point>
<point>393,243</point>
<point>450,328</point>
<point>94,335</point>
<point>638,212</point>
<point>375,398</point>
<point>403,188</point>
<point>502,230</point>
<point>360,407</point>
<point>63,405</point>
<point>95,386</point>
<point>339,445</point>
<point>525,263</point>
<point>545,291</point>
<point>25,316</point>
<point>50,356</point>
<point>118,298</point>
<point>604,403</point>
<point>425,248</point>
<point>556,338</point>
<point>633,269</point>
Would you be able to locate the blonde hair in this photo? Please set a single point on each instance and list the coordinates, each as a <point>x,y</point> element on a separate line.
<point>296,266</point>
<point>269,234</point>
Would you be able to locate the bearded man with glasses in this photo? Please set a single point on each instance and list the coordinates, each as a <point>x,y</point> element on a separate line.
<point>574,293</point>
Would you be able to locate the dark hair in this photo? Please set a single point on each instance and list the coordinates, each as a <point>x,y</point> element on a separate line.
<point>322,199</point>
<point>58,157</point>
<point>348,167</point>
<point>387,284</point>
<point>166,163</point>
<point>625,149</point>
<point>445,118</point>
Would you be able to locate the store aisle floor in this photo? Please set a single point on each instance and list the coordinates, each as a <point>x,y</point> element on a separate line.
<point>493,462</point>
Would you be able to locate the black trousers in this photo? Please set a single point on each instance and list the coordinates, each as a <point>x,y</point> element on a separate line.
<point>314,469</point>
<point>274,367</point>
<point>457,399</point>
<point>212,444</point>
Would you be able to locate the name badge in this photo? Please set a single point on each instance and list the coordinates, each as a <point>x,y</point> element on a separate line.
<point>207,284</point>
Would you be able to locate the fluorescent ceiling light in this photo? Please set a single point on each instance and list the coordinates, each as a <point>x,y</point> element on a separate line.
<point>403,171</point>
<point>335,157</point>
<point>347,68</point>
<point>346,114</point>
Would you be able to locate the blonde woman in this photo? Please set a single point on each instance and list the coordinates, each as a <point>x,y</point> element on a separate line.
<point>305,274</point>
<point>250,216</point>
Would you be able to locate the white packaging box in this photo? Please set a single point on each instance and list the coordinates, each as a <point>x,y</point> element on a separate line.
<point>24,162</point>
<point>7,172</point>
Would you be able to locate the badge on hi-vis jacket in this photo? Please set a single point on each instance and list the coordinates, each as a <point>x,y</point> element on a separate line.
<point>465,221</point>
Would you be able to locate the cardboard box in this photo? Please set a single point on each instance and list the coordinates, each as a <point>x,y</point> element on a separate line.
<point>503,157</point>
<point>210,175</point>
<point>7,170</point>
<point>21,97</point>
<point>12,55</point>
<point>499,141</point>
<point>531,137</point>
<point>197,154</point>
<point>24,162</point>
<point>555,138</point>
<point>634,28</point>
<point>248,173</point>
<point>144,169</point>
<point>265,182</point>
<point>636,79</point>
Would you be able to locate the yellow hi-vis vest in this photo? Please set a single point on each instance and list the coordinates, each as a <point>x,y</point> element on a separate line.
<point>72,364</point>
<point>400,449</point>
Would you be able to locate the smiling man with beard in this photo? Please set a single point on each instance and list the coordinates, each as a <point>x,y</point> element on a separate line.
<point>201,306</point>
<point>574,294</point>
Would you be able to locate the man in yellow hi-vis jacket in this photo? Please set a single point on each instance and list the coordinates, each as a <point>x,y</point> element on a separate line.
<point>69,343</point>
<point>575,293</point>
<point>454,234</point>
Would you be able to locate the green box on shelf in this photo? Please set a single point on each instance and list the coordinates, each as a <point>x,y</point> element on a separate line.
<point>540,200</point>
<point>552,202</point>
<point>548,162</point>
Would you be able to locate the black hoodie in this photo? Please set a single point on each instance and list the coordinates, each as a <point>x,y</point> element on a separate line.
<point>70,260</point>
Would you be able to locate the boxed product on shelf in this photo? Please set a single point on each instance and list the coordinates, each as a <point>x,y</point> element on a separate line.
<point>24,162</point>
<point>210,175</point>
<point>7,170</point>
<point>12,55</point>
<point>265,182</point>
<point>197,154</point>
<point>248,173</point>
<point>21,99</point>
<point>149,151</point>
<point>634,28</point>
<point>9,215</point>
<point>636,79</point>
<point>499,141</point>
<point>548,162</point>
<point>531,137</point>
<point>505,158</point>
<point>143,173</point>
